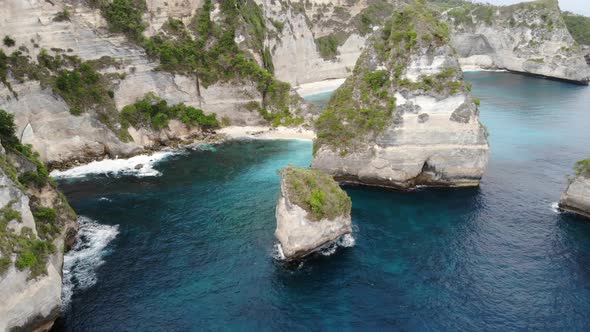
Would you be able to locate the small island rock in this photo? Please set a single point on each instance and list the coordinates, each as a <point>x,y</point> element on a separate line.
<point>576,197</point>
<point>312,212</point>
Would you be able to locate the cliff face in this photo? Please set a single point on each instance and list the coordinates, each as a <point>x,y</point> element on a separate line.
<point>405,117</point>
<point>529,37</point>
<point>302,26</point>
<point>312,212</point>
<point>36,224</point>
<point>576,197</point>
<point>63,29</point>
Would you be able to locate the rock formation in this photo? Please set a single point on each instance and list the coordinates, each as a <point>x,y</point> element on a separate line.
<point>576,197</point>
<point>312,212</point>
<point>405,117</point>
<point>529,37</point>
<point>36,225</point>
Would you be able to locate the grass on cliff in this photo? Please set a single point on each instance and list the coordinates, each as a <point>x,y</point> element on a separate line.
<point>582,167</point>
<point>316,192</point>
<point>578,26</point>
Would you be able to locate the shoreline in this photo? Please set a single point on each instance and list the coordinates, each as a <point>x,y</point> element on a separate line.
<point>142,164</point>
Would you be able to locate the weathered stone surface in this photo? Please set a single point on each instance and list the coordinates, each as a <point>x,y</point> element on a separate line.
<point>576,197</point>
<point>297,232</point>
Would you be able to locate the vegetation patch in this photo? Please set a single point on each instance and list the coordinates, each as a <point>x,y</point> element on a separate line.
<point>578,26</point>
<point>316,192</point>
<point>582,167</point>
<point>327,46</point>
<point>154,112</point>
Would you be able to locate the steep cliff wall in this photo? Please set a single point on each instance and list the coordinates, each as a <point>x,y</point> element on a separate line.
<point>59,30</point>
<point>318,40</point>
<point>36,224</point>
<point>405,117</point>
<point>529,37</point>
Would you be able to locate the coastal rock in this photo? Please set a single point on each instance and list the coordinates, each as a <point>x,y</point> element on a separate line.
<point>39,224</point>
<point>576,197</point>
<point>312,212</point>
<point>529,37</point>
<point>405,117</point>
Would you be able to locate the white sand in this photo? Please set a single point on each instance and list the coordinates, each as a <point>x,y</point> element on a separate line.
<point>309,89</point>
<point>470,68</point>
<point>264,132</point>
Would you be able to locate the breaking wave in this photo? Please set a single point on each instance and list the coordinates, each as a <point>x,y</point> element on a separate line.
<point>345,241</point>
<point>80,263</point>
<point>130,166</point>
<point>555,207</point>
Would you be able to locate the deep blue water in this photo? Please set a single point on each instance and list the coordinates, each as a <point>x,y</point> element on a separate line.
<point>194,249</point>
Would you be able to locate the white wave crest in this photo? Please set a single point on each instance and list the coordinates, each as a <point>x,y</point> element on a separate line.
<point>555,207</point>
<point>80,263</point>
<point>122,166</point>
<point>346,241</point>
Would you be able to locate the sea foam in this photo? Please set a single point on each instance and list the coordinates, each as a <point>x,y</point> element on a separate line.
<point>80,263</point>
<point>117,167</point>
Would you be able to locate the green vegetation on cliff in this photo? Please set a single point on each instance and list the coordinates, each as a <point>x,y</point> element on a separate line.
<point>578,26</point>
<point>206,49</point>
<point>582,167</point>
<point>315,192</point>
<point>152,111</point>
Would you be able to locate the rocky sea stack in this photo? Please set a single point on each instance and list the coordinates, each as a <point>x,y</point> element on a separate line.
<point>405,117</point>
<point>312,212</point>
<point>576,197</point>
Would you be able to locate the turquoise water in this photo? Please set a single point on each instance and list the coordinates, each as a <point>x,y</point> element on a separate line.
<point>194,247</point>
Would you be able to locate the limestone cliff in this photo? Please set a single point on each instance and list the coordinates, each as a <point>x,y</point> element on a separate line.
<point>312,212</point>
<point>576,197</point>
<point>36,226</point>
<point>405,117</point>
<point>60,30</point>
<point>530,37</point>
<point>317,40</point>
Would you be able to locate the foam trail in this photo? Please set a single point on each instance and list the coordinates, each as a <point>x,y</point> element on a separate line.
<point>80,263</point>
<point>117,166</point>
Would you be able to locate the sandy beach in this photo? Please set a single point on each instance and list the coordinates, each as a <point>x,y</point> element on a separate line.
<point>309,89</point>
<point>266,132</point>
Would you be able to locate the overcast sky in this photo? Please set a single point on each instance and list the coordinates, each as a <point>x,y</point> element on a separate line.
<point>576,6</point>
